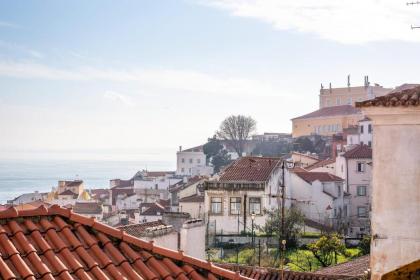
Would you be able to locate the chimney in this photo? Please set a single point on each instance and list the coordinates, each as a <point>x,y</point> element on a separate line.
<point>322,89</point>
<point>348,82</point>
<point>180,148</point>
<point>330,88</point>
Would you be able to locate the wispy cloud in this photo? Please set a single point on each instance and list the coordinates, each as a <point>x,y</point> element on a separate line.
<point>344,21</point>
<point>118,97</point>
<point>184,80</point>
<point>21,49</point>
<point>8,24</point>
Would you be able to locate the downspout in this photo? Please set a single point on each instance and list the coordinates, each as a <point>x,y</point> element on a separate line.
<point>245,196</point>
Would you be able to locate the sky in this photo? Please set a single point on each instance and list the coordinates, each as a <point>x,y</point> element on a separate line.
<point>133,80</point>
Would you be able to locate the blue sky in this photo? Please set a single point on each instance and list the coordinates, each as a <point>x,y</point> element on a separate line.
<point>136,79</point>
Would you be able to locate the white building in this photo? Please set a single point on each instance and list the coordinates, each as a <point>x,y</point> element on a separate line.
<point>246,188</point>
<point>355,167</point>
<point>395,243</point>
<point>365,132</point>
<point>192,162</point>
<point>158,180</point>
<point>28,197</point>
<point>320,197</point>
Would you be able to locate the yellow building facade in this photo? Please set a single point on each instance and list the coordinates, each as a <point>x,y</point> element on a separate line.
<point>326,121</point>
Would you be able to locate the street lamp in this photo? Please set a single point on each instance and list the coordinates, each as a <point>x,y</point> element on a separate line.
<point>252,235</point>
<point>282,239</point>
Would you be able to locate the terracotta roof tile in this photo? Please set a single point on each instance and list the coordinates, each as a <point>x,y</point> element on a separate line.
<point>321,163</point>
<point>254,169</point>
<point>264,273</point>
<point>320,176</point>
<point>54,243</point>
<point>192,198</point>
<point>359,151</point>
<point>355,267</point>
<point>330,112</point>
<point>139,230</point>
<point>406,97</point>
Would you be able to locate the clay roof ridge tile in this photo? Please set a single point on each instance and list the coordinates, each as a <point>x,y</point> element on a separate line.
<point>114,232</point>
<point>11,212</point>
<point>77,218</point>
<point>57,210</point>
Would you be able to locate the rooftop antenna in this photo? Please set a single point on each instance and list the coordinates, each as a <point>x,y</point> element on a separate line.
<point>412,4</point>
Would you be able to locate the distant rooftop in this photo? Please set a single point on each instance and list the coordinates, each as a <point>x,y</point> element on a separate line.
<point>255,169</point>
<point>342,110</point>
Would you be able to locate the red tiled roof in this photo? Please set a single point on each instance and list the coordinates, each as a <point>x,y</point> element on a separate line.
<point>192,198</point>
<point>359,151</point>
<point>407,97</point>
<point>153,209</point>
<point>355,267</point>
<point>320,176</point>
<point>264,273</point>
<point>321,163</point>
<point>87,208</point>
<point>138,230</point>
<point>56,243</point>
<point>254,169</point>
<point>342,110</point>
<point>67,192</point>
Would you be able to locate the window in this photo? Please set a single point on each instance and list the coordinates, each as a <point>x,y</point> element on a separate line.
<point>216,205</point>
<point>345,211</point>
<point>255,205</point>
<point>198,161</point>
<point>370,143</point>
<point>361,128</point>
<point>361,212</point>
<point>191,160</point>
<point>360,167</point>
<point>235,205</point>
<point>361,190</point>
<point>369,128</point>
<point>182,160</point>
<point>339,190</point>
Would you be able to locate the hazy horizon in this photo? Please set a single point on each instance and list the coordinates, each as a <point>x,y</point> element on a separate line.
<point>136,80</point>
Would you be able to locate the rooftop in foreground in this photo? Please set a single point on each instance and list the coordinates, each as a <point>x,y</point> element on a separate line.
<point>55,243</point>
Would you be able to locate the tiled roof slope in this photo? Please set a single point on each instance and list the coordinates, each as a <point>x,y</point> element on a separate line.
<point>360,151</point>
<point>67,192</point>
<point>192,198</point>
<point>139,229</point>
<point>342,110</point>
<point>254,169</point>
<point>408,97</point>
<point>56,243</point>
<point>355,267</point>
<point>321,163</point>
<point>264,273</point>
<point>320,176</point>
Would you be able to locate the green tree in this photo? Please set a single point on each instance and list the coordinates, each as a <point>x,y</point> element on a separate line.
<point>216,154</point>
<point>293,222</point>
<point>272,148</point>
<point>303,144</point>
<point>327,248</point>
<point>236,130</point>
<point>364,245</point>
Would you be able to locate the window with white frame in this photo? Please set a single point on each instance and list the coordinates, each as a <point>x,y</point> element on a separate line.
<point>198,161</point>
<point>361,190</point>
<point>360,167</point>
<point>362,212</point>
<point>182,160</point>
<point>191,160</point>
<point>216,205</point>
<point>369,128</point>
<point>235,205</point>
<point>361,128</point>
<point>255,205</point>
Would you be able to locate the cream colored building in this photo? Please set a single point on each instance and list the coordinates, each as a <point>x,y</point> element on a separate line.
<point>326,121</point>
<point>329,97</point>
<point>396,180</point>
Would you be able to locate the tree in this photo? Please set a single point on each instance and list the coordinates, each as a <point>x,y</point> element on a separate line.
<point>216,154</point>
<point>272,148</point>
<point>327,248</point>
<point>304,144</point>
<point>364,245</point>
<point>293,222</point>
<point>236,130</point>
